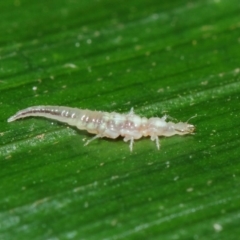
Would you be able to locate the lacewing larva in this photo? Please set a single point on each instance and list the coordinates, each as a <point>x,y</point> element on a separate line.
<point>110,125</point>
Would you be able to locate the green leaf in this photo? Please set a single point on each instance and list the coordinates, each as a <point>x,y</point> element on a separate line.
<point>179,58</point>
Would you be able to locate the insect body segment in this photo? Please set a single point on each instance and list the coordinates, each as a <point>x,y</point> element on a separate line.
<point>111,125</point>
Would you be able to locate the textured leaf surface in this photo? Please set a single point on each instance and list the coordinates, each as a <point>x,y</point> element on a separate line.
<point>175,57</point>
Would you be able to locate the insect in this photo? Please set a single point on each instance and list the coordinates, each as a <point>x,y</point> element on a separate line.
<point>110,125</point>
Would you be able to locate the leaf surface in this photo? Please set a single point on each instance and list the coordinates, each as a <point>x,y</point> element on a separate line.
<point>178,58</point>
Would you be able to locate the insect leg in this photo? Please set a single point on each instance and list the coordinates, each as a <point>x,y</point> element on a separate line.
<point>88,141</point>
<point>131,142</point>
<point>165,117</point>
<point>155,138</point>
<point>131,111</point>
<point>157,142</point>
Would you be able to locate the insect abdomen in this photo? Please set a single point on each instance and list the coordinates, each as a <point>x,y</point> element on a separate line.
<point>62,114</point>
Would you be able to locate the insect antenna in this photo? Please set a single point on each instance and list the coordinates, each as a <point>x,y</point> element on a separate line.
<point>192,117</point>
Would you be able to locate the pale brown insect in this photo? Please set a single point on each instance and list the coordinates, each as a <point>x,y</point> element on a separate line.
<point>111,125</point>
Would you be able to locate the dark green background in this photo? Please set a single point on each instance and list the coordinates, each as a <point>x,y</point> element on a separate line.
<point>176,57</point>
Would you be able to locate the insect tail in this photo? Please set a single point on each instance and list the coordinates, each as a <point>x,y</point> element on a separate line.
<point>62,114</point>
